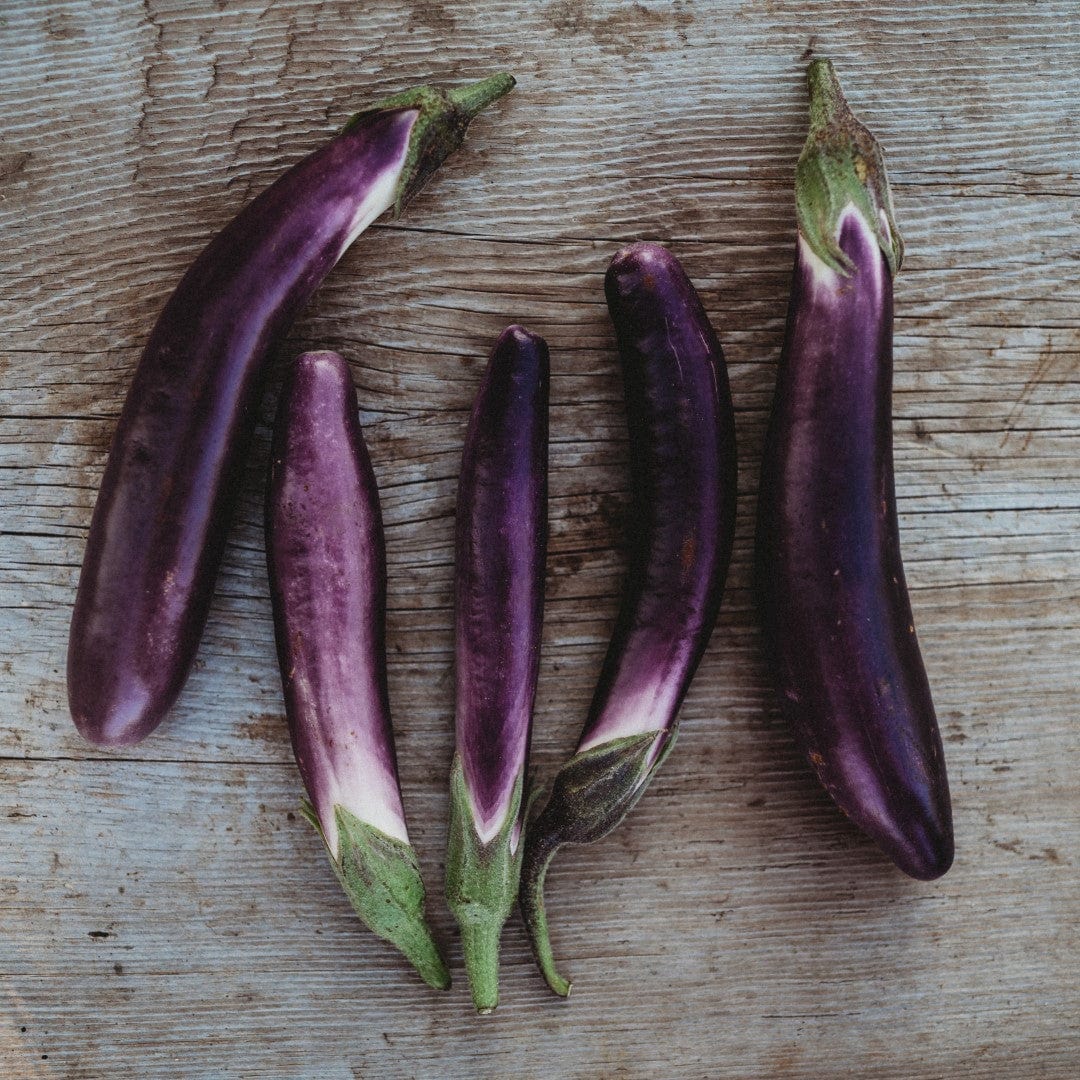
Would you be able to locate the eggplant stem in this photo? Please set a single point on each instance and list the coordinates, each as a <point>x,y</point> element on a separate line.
<point>480,945</point>
<point>419,948</point>
<point>474,97</point>
<point>481,885</point>
<point>841,167</point>
<point>827,101</point>
<point>534,872</point>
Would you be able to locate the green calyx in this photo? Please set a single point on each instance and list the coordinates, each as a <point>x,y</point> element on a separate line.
<point>443,118</point>
<point>841,165</point>
<point>591,795</point>
<point>481,885</point>
<point>381,877</point>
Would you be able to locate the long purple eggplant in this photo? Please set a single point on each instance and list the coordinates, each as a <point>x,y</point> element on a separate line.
<point>327,565</point>
<point>501,544</point>
<point>837,619</point>
<point>682,466</point>
<point>170,483</point>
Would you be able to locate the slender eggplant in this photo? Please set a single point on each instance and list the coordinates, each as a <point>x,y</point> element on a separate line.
<point>501,544</point>
<point>682,465</point>
<point>327,565</point>
<point>166,497</point>
<point>837,618</point>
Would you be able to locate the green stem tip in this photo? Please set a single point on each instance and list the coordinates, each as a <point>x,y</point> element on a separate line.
<point>480,945</point>
<point>538,858</point>
<point>476,96</point>
<point>841,165</point>
<point>827,101</point>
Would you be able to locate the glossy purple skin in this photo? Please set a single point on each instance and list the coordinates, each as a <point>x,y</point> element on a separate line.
<point>501,546</point>
<point>837,618</point>
<point>326,558</point>
<point>169,487</point>
<point>683,476</point>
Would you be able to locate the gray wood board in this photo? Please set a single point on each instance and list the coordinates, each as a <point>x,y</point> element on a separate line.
<point>165,911</point>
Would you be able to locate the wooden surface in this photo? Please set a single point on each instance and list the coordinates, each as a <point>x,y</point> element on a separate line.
<point>165,912</point>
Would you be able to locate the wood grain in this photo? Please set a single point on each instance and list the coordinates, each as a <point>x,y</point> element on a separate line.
<point>164,911</point>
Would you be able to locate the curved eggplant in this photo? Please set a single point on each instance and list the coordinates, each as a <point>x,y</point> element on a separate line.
<point>683,472</point>
<point>837,618</point>
<point>501,545</point>
<point>166,497</point>
<point>327,564</point>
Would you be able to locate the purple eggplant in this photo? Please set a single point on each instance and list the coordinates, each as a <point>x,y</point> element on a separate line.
<point>501,544</point>
<point>171,480</point>
<point>682,466</point>
<point>837,620</point>
<point>327,564</point>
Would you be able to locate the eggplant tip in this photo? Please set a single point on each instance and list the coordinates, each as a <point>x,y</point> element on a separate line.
<point>106,738</point>
<point>118,727</point>
<point>318,357</point>
<point>640,255</point>
<point>925,851</point>
<point>519,334</point>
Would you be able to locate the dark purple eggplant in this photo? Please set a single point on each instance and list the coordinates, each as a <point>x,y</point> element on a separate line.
<point>499,606</point>
<point>170,483</point>
<point>327,564</point>
<point>837,619</point>
<point>682,522</point>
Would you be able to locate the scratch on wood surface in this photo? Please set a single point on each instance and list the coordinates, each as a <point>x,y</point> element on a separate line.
<point>1064,355</point>
<point>155,57</point>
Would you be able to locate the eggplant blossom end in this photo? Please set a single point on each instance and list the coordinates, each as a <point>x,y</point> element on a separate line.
<point>381,877</point>
<point>591,795</point>
<point>482,884</point>
<point>841,166</point>
<point>443,117</point>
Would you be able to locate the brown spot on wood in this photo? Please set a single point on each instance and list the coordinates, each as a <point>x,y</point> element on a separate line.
<point>12,164</point>
<point>432,15</point>
<point>268,727</point>
<point>627,30</point>
<point>63,27</point>
<point>784,1061</point>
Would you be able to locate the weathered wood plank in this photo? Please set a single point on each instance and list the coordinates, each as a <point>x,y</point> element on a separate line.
<point>735,925</point>
<point>218,843</point>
